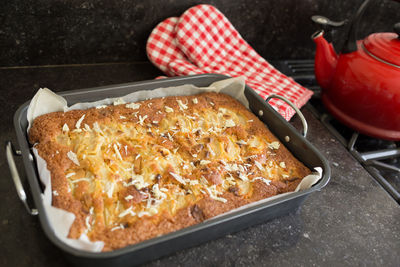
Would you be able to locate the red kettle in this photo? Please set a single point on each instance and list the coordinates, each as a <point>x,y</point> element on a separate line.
<point>361,85</point>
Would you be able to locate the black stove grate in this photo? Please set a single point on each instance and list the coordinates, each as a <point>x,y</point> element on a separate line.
<point>381,158</point>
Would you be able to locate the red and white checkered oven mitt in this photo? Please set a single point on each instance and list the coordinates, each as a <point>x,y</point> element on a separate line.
<point>162,50</point>
<point>202,40</point>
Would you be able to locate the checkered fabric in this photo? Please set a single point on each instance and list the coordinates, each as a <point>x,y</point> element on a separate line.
<point>202,40</point>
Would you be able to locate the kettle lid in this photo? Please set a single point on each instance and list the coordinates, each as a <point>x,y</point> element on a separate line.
<point>384,47</point>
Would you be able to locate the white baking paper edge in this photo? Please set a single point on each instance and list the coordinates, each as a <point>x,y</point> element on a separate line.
<point>45,101</point>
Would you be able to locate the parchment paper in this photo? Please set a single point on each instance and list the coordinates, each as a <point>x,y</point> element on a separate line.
<point>45,101</point>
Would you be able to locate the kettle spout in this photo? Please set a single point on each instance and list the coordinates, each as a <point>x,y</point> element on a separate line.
<point>325,59</point>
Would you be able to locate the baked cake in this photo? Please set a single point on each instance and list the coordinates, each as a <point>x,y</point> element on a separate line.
<point>134,171</point>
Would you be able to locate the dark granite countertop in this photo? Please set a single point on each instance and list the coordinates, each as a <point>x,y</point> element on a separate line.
<point>352,221</point>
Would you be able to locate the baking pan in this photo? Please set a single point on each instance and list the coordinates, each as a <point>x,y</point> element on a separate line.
<point>190,236</point>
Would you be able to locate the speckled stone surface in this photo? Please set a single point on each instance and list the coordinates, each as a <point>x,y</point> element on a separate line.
<point>351,222</point>
<point>49,32</point>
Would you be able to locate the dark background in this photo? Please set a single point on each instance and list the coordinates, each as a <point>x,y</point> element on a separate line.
<point>58,32</point>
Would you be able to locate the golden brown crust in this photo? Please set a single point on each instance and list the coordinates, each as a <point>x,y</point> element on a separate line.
<point>227,158</point>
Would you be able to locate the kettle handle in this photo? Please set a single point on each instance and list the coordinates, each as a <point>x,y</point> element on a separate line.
<point>350,44</point>
<point>396,29</point>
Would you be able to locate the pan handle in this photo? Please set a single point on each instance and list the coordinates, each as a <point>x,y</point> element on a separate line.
<point>293,106</point>
<point>15,176</point>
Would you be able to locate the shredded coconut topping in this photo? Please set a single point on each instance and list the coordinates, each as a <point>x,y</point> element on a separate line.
<point>88,226</point>
<point>243,176</point>
<point>259,166</point>
<point>182,106</point>
<point>168,109</point>
<point>73,157</point>
<point>80,180</point>
<point>78,123</point>
<point>158,193</point>
<point>117,227</point>
<point>110,188</point>
<point>213,192</point>
<point>87,128</point>
<point>133,105</point>
<point>267,181</point>
<point>70,174</point>
<point>96,127</point>
<point>178,177</point>
<point>137,180</point>
<point>117,151</point>
<point>126,212</point>
<point>222,110</point>
<point>141,119</point>
<point>229,123</point>
<point>65,128</point>
<point>142,213</point>
<point>193,182</point>
<point>241,142</point>
<point>101,106</point>
<point>274,145</point>
<point>119,101</point>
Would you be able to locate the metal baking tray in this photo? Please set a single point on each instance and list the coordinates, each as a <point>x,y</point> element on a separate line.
<point>187,237</point>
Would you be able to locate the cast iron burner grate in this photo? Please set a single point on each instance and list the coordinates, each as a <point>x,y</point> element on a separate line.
<point>381,158</point>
